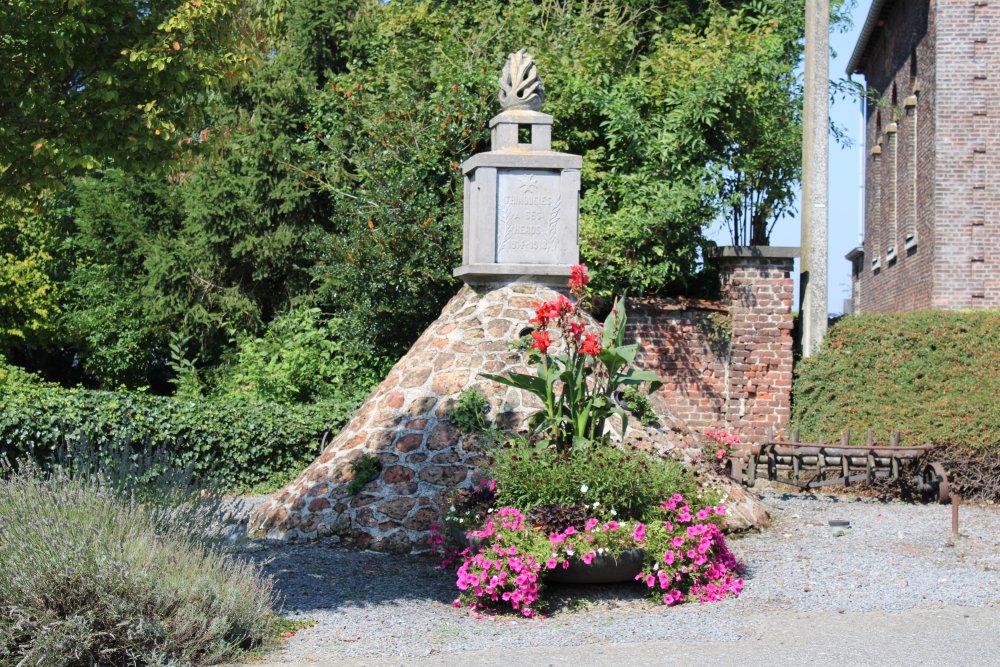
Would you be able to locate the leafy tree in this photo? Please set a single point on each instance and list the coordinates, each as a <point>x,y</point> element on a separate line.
<point>684,112</point>
<point>115,219</point>
<point>29,290</point>
<point>85,81</point>
<point>212,248</point>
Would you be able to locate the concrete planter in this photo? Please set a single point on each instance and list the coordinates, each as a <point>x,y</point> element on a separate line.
<point>602,570</point>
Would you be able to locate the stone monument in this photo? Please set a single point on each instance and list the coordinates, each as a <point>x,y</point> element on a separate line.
<point>522,199</point>
<point>521,225</point>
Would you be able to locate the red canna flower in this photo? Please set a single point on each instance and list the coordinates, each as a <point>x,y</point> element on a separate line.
<point>562,306</point>
<point>591,345</point>
<point>551,310</point>
<point>542,341</point>
<point>543,314</point>
<point>576,330</point>
<point>578,278</point>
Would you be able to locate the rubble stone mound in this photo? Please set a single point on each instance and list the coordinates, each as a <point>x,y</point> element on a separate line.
<point>405,424</point>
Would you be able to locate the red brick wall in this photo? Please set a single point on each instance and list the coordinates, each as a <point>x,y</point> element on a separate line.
<point>759,293</point>
<point>745,386</point>
<point>673,343</point>
<point>937,173</point>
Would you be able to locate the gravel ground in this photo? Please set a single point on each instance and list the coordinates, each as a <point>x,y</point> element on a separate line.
<point>895,557</point>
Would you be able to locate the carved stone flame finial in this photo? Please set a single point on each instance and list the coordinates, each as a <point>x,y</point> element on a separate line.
<point>520,87</point>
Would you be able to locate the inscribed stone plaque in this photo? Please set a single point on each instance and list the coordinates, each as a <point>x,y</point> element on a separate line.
<point>529,214</point>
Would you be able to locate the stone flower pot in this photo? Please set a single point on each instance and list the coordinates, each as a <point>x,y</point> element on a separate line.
<point>602,570</point>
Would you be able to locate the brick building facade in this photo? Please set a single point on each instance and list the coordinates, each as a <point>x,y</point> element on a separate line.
<point>932,200</point>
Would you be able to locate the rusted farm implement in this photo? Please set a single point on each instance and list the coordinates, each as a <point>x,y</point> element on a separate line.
<point>814,465</point>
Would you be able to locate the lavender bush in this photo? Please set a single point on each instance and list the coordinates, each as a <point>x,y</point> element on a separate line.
<point>91,573</point>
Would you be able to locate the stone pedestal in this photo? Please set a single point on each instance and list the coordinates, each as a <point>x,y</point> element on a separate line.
<point>405,423</point>
<point>522,204</point>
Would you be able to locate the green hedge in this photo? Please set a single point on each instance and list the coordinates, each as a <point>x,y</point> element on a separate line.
<point>932,375</point>
<point>238,442</point>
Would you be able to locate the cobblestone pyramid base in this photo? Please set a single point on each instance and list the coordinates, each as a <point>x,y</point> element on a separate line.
<point>405,423</point>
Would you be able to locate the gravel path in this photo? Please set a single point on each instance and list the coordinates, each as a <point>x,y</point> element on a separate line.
<point>895,557</point>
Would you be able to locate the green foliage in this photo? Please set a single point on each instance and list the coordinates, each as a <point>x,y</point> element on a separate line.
<point>186,382</point>
<point>658,130</point>
<point>91,575</point>
<point>733,99</point>
<point>198,258</point>
<point>364,469</point>
<point>578,387</point>
<point>603,477</point>
<point>469,412</point>
<point>303,357</point>
<point>328,174</point>
<point>932,375</point>
<point>239,441</point>
<point>15,376</point>
<point>109,314</point>
<point>386,148</point>
<point>639,406</point>
<point>29,290</point>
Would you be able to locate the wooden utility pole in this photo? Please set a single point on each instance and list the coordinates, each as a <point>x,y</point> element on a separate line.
<point>815,175</point>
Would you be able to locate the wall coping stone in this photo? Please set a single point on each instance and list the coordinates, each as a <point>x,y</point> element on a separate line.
<point>750,251</point>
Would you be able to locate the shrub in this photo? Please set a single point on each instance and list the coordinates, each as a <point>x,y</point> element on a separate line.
<point>89,575</point>
<point>364,468</point>
<point>239,441</point>
<point>13,375</point>
<point>932,375</point>
<point>303,357</point>
<point>639,406</point>
<point>469,413</point>
<point>610,480</point>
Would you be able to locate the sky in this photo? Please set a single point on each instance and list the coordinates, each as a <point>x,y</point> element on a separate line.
<point>845,184</point>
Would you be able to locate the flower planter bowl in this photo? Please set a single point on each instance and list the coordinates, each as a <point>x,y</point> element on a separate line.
<point>461,539</point>
<point>602,570</point>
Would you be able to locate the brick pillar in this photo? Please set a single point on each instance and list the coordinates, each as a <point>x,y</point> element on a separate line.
<point>756,285</point>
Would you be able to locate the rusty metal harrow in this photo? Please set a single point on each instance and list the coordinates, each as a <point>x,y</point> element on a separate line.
<point>814,465</point>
